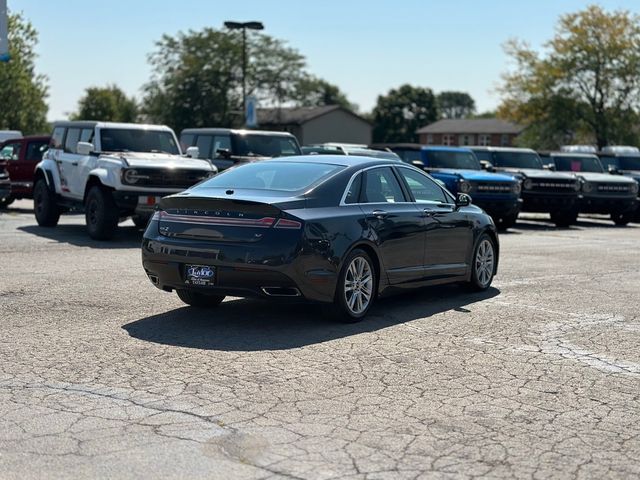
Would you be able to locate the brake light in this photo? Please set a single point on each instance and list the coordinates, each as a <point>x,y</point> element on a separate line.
<point>290,224</point>
<point>156,215</point>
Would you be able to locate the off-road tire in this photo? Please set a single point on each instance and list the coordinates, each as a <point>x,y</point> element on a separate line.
<point>101,213</point>
<point>45,207</point>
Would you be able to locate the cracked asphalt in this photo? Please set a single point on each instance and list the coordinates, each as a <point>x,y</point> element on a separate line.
<point>102,375</point>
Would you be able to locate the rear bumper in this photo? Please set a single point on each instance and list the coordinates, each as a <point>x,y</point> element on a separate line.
<point>241,270</point>
<point>22,189</point>
<point>593,204</point>
<point>545,203</point>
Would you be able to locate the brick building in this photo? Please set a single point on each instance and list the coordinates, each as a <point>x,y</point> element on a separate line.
<point>470,131</point>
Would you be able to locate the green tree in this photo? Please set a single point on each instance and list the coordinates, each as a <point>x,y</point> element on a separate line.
<point>197,78</point>
<point>398,114</point>
<point>22,91</point>
<point>453,104</point>
<point>585,87</point>
<point>312,91</point>
<point>109,104</point>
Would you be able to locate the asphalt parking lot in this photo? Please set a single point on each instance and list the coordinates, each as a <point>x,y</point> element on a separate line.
<point>102,375</point>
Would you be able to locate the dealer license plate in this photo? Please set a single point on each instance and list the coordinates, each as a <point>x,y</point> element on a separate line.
<point>201,275</point>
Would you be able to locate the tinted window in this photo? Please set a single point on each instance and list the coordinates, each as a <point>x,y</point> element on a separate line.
<point>36,149</point>
<point>409,155</point>
<point>381,186</point>
<point>203,143</point>
<point>354,190</point>
<point>11,151</point>
<point>516,159</point>
<point>279,176</point>
<point>608,161</point>
<point>452,159</point>
<point>422,187</point>
<point>251,145</point>
<point>221,142</point>
<point>138,140</point>
<point>57,137</point>
<point>483,155</point>
<point>186,140</point>
<point>578,164</point>
<point>629,163</point>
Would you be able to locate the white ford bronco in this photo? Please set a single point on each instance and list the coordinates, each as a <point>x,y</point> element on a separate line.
<point>111,171</point>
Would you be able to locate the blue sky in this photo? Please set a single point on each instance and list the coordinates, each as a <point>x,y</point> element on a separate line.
<point>365,47</point>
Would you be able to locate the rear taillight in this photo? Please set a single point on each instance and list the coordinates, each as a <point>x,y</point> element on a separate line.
<point>156,215</point>
<point>289,224</point>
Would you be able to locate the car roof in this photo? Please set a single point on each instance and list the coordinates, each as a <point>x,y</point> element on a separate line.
<point>573,154</point>
<point>443,148</point>
<point>92,124</point>
<point>342,160</point>
<point>500,149</point>
<point>235,131</point>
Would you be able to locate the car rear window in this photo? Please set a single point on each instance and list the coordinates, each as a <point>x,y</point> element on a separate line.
<point>277,176</point>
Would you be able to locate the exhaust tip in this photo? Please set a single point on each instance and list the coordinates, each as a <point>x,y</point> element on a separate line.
<point>153,278</point>
<point>281,291</point>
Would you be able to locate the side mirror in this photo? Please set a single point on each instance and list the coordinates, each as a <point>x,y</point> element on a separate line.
<point>223,152</point>
<point>418,163</point>
<point>84,148</point>
<point>549,166</point>
<point>193,152</point>
<point>487,165</point>
<point>463,200</point>
<point>613,170</point>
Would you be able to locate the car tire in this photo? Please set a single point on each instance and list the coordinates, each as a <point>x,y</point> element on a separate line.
<point>5,202</point>
<point>622,218</point>
<point>101,213</point>
<point>483,263</point>
<point>356,288</point>
<point>564,219</point>
<point>140,221</point>
<point>199,300</point>
<point>45,208</point>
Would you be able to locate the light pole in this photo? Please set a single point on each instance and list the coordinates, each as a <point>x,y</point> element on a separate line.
<point>244,26</point>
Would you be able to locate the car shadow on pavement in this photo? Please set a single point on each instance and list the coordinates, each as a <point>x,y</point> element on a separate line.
<point>76,234</point>
<point>252,325</point>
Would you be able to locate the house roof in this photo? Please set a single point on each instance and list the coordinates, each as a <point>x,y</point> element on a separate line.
<point>297,115</point>
<point>471,125</point>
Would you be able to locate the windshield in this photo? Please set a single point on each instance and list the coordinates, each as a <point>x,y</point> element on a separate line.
<point>409,155</point>
<point>278,176</point>
<point>452,159</point>
<point>629,163</point>
<point>138,140</point>
<point>578,164</point>
<point>517,160</point>
<point>251,145</point>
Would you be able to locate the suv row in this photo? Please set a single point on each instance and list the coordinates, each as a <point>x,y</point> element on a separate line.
<point>111,171</point>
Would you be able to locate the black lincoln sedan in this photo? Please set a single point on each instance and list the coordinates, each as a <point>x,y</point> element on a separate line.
<point>336,230</point>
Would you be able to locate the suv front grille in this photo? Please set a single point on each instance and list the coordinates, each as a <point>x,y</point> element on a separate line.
<point>558,186</point>
<point>170,178</point>
<point>490,187</point>
<point>614,188</point>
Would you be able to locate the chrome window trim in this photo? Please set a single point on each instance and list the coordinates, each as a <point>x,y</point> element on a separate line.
<point>447,194</point>
<point>346,190</point>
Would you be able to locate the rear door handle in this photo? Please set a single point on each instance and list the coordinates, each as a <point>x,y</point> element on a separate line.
<point>75,164</point>
<point>380,214</point>
<point>428,212</point>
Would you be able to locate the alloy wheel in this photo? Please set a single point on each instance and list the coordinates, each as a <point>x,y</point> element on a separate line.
<point>358,285</point>
<point>484,262</point>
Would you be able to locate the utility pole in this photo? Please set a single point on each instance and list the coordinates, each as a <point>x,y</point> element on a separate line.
<point>244,26</point>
